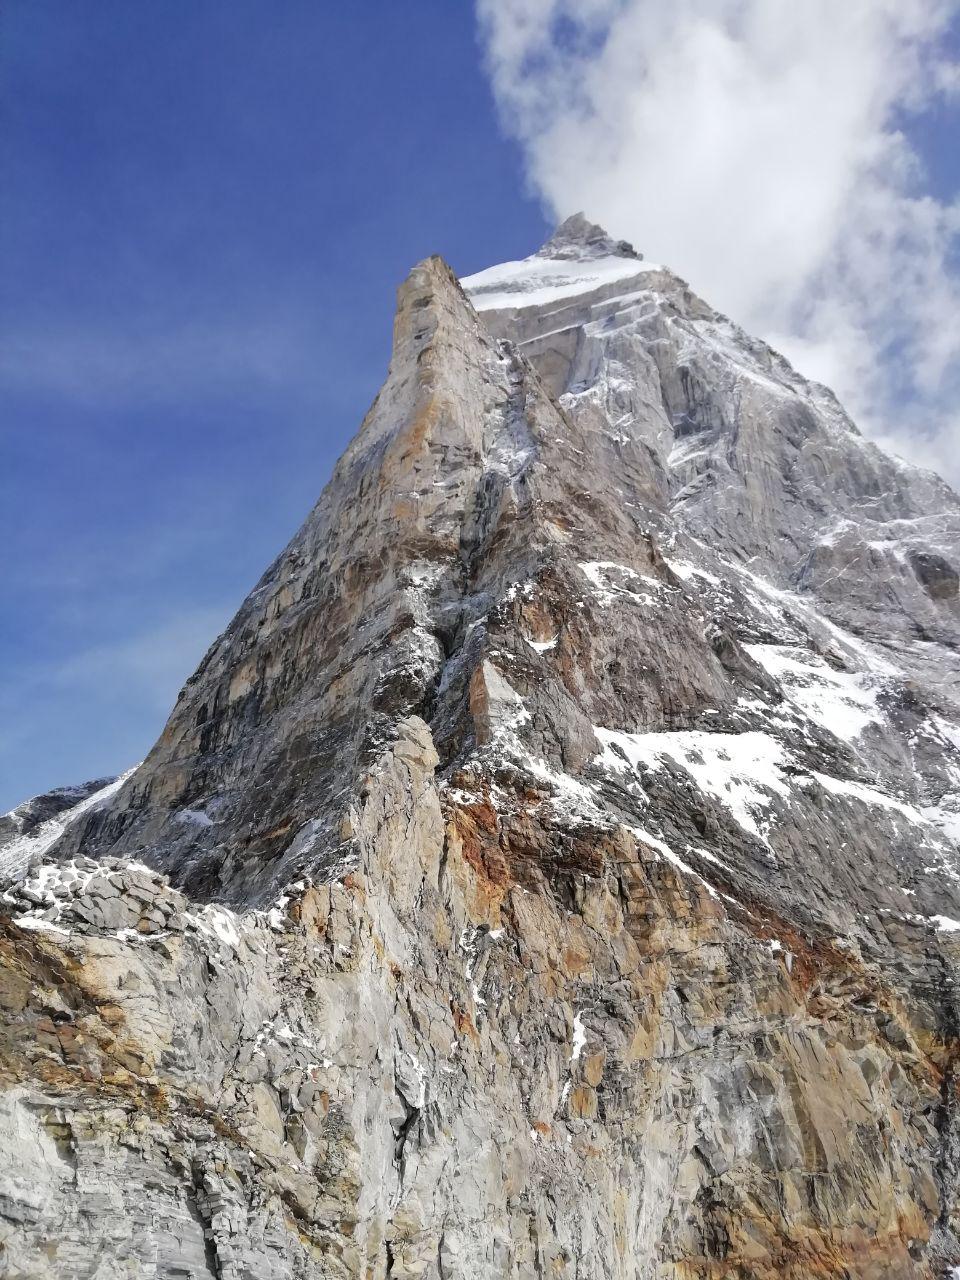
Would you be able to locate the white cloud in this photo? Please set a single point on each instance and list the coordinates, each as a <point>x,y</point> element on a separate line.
<point>763,151</point>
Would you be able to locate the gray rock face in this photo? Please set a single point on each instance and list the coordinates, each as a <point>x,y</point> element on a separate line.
<point>578,239</point>
<point>744,453</point>
<point>552,870</point>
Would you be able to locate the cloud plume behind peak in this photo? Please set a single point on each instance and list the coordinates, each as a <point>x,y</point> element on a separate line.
<point>767,153</point>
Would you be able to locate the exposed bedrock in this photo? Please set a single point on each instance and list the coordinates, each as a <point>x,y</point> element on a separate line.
<point>551,872</point>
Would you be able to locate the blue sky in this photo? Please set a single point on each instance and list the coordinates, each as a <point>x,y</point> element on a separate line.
<point>207,210</point>
<point>206,207</point>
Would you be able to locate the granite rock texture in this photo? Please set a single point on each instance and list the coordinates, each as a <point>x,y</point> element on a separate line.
<point>552,870</point>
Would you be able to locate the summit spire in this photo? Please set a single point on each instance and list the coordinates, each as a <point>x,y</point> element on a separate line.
<point>577,237</point>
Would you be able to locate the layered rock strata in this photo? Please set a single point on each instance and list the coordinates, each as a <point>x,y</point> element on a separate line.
<point>552,870</point>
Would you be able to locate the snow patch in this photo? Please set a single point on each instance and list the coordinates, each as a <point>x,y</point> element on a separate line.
<point>217,922</point>
<point>675,860</point>
<point>542,646</point>
<point>580,1036</point>
<point>685,571</point>
<point>602,574</point>
<point>740,770</point>
<point>538,282</point>
<point>780,604</point>
<point>946,818</point>
<point>841,701</point>
<point>867,795</point>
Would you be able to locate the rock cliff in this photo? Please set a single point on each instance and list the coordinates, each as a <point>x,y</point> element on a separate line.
<point>552,871</point>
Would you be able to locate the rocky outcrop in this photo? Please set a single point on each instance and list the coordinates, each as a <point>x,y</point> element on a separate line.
<point>940,579</point>
<point>552,870</point>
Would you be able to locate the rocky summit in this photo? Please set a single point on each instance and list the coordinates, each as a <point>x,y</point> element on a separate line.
<point>552,871</point>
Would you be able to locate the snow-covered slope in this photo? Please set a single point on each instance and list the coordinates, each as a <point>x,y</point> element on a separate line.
<point>29,830</point>
<point>544,282</point>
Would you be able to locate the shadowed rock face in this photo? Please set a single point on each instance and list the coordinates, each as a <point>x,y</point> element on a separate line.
<point>552,870</point>
<point>939,577</point>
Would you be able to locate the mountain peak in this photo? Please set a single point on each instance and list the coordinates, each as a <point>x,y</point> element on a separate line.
<point>600,724</point>
<point>577,237</point>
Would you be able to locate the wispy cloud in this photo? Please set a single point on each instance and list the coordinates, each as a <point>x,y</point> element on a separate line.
<point>105,704</point>
<point>148,666</point>
<point>109,365</point>
<point>764,152</point>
